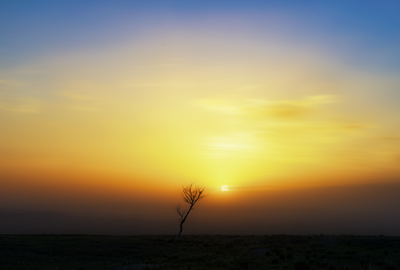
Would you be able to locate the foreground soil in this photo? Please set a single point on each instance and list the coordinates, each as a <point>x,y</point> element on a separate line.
<point>59,252</point>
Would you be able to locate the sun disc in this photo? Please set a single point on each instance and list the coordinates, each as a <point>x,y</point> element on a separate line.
<point>224,188</point>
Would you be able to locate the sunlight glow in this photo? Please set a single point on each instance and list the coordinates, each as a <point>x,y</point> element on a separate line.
<point>235,145</point>
<point>224,188</point>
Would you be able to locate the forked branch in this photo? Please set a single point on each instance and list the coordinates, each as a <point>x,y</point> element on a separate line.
<point>180,212</point>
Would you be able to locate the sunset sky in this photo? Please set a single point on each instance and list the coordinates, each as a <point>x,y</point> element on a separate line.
<point>108,107</point>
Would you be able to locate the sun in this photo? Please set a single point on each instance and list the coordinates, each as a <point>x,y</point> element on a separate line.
<point>224,188</point>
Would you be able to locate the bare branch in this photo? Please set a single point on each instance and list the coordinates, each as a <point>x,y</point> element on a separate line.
<point>192,194</point>
<point>180,212</point>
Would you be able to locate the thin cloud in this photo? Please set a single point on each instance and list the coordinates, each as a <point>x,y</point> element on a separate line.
<point>354,126</point>
<point>74,95</point>
<point>390,139</point>
<point>221,106</point>
<point>23,105</point>
<point>78,102</point>
<point>81,108</point>
<point>283,119</point>
<point>8,83</point>
<point>289,109</point>
<point>282,109</point>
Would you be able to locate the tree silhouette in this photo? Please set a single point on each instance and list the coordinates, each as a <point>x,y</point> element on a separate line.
<point>190,194</point>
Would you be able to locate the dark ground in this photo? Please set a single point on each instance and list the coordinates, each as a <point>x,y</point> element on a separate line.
<point>59,252</point>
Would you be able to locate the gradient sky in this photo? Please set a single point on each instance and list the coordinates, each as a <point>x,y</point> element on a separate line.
<point>108,107</point>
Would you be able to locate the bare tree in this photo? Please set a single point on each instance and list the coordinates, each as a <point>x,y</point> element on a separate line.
<point>190,194</point>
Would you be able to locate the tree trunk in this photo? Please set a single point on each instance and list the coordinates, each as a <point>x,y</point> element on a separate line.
<point>179,234</point>
<point>181,225</point>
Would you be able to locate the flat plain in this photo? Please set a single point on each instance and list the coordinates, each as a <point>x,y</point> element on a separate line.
<point>330,252</point>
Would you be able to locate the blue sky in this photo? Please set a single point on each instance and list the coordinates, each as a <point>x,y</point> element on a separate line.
<point>31,28</point>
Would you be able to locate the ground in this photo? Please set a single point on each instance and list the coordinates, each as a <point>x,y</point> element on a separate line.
<point>330,252</point>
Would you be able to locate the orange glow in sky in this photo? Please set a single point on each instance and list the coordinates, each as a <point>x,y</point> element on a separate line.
<point>227,101</point>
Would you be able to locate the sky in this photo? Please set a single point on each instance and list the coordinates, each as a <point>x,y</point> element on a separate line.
<point>108,108</point>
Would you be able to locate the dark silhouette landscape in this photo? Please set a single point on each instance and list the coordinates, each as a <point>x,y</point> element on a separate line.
<point>199,134</point>
<point>199,252</point>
